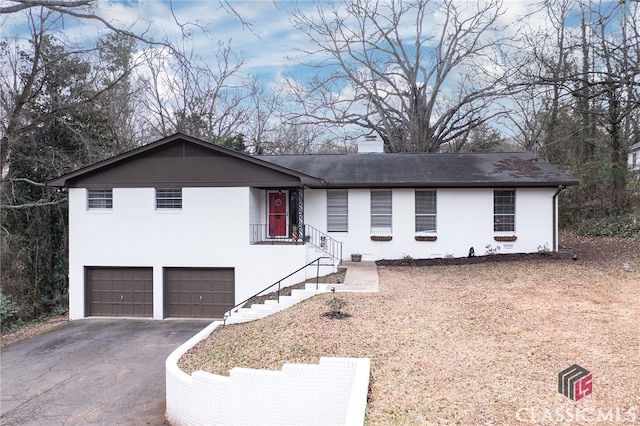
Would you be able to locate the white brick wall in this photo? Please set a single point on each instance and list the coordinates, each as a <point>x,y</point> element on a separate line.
<point>464,220</point>
<point>333,392</point>
<point>190,237</point>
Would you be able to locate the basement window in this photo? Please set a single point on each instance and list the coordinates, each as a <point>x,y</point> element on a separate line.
<point>170,198</point>
<point>99,199</point>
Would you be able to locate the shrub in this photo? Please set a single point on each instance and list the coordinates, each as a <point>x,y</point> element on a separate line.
<point>490,250</point>
<point>336,305</point>
<point>407,260</point>
<point>544,250</point>
<point>623,226</point>
<point>8,309</point>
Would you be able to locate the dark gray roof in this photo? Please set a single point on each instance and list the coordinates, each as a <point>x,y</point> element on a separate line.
<point>186,161</point>
<point>426,169</point>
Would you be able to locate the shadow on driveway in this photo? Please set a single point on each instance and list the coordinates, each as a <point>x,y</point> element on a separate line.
<point>91,371</point>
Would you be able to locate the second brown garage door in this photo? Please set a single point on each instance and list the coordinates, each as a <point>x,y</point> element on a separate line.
<point>198,292</point>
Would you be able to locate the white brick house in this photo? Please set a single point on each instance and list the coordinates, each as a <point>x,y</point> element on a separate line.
<point>184,228</point>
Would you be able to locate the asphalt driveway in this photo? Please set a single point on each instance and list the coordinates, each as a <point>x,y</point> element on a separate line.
<point>98,372</point>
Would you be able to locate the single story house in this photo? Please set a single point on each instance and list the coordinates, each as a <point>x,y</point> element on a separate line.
<point>185,228</point>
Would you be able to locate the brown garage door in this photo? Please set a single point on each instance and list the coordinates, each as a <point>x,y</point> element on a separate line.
<point>119,292</point>
<point>198,292</point>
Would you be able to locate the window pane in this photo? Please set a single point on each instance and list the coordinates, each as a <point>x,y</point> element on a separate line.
<point>504,210</point>
<point>425,202</point>
<point>337,223</point>
<point>169,198</point>
<point>337,210</point>
<point>381,211</point>
<point>341,210</point>
<point>425,223</point>
<point>425,213</point>
<point>381,222</point>
<point>504,223</point>
<point>100,198</point>
<point>381,202</point>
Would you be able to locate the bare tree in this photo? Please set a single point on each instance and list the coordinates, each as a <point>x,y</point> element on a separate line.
<point>526,120</point>
<point>83,10</point>
<point>194,97</point>
<point>294,138</point>
<point>23,84</point>
<point>482,138</point>
<point>45,18</point>
<point>542,84</point>
<point>615,81</point>
<point>386,67</point>
<point>19,79</point>
<point>65,104</point>
<point>581,95</point>
<point>264,116</point>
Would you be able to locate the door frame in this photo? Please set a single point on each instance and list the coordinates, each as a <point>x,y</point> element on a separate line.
<point>286,214</point>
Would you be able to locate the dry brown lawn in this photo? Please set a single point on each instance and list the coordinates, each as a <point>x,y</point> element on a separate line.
<point>471,344</point>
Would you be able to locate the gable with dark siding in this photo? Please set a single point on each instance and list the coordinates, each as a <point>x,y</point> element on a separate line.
<point>180,161</point>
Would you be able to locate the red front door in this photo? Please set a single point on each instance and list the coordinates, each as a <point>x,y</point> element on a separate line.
<point>277,214</point>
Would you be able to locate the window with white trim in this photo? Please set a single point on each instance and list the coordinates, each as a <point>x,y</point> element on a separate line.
<point>337,210</point>
<point>99,199</point>
<point>381,211</point>
<point>426,210</point>
<point>168,198</point>
<point>504,210</point>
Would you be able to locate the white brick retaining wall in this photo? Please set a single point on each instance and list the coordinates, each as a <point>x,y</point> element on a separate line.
<point>333,392</point>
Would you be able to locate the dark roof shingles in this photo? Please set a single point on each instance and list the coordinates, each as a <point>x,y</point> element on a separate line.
<point>425,169</point>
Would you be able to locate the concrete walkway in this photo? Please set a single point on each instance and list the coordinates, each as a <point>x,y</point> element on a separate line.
<point>361,277</point>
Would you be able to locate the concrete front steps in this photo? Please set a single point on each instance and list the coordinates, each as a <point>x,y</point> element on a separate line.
<point>261,310</point>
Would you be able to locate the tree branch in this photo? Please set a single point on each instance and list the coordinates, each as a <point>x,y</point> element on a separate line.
<point>50,4</point>
<point>32,205</point>
<point>29,181</point>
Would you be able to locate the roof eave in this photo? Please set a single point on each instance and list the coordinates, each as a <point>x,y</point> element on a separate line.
<point>531,184</point>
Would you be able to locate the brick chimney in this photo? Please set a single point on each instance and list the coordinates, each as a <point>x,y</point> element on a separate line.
<point>370,143</point>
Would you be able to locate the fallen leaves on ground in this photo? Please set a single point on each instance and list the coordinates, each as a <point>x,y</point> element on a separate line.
<point>33,329</point>
<point>469,344</point>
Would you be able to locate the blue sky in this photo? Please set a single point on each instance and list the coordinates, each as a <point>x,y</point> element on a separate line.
<point>266,40</point>
<point>264,44</point>
<point>267,44</point>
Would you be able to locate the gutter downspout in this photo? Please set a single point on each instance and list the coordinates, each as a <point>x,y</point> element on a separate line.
<point>554,204</point>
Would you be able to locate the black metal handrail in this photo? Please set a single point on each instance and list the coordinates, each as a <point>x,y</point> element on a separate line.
<point>324,242</point>
<point>261,233</point>
<point>278,283</point>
